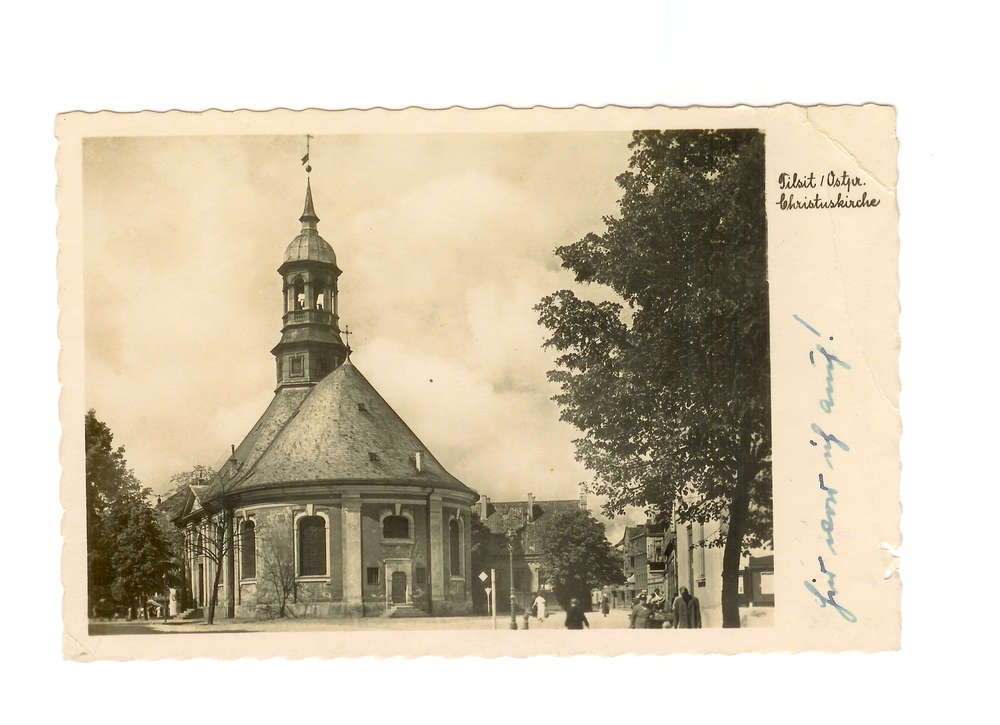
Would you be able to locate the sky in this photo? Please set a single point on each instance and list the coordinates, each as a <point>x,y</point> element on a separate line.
<point>446,243</point>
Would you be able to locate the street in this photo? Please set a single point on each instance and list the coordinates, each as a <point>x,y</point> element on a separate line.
<point>616,619</point>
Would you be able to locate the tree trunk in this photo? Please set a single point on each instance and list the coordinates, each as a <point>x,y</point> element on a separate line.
<point>230,559</point>
<point>213,600</point>
<point>731,561</point>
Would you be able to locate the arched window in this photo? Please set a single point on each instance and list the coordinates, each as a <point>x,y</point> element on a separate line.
<point>395,527</point>
<point>248,550</point>
<point>312,546</point>
<point>456,548</point>
<point>300,294</point>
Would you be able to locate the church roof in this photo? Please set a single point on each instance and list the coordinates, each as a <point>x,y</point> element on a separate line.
<point>339,431</point>
<point>282,407</point>
<point>309,246</point>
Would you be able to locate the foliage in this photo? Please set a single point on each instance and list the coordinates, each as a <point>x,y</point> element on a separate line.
<point>484,557</point>
<point>197,476</point>
<point>673,393</point>
<point>576,555</point>
<point>126,554</point>
<point>138,554</point>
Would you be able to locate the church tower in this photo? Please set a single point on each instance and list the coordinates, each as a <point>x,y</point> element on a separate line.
<point>310,346</point>
<point>330,483</point>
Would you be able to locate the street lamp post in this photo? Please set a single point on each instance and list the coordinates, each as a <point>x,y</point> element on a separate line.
<point>513,600</point>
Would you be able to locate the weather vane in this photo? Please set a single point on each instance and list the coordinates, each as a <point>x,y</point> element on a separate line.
<point>305,159</point>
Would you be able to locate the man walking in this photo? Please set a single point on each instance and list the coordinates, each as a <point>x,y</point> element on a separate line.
<point>575,618</point>
<point>687,611</point>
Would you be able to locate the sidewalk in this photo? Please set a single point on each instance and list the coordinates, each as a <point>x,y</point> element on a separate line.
<point>616,619</point>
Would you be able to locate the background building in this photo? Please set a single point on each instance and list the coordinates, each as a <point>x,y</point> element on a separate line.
<point>699,568</point>
<point>649,562</point>
<point>510,528</point>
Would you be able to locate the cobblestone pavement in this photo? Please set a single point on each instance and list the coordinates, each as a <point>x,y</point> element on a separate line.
<point>616,619</point>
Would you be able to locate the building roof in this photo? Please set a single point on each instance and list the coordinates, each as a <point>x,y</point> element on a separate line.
<point>173,505</point>
<point>340,431</point>
<point>504,516</point>
<point>309,245</point>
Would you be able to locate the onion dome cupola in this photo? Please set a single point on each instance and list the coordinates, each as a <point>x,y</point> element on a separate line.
<point>310,346</point>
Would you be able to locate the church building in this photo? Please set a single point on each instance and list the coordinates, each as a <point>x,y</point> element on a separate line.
<point>330,506</point>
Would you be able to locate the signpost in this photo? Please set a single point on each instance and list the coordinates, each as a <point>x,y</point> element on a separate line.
<point>491,592</point>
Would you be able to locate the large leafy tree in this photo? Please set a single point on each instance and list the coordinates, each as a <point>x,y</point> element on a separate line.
<point>576,555</point>
<point>671,389</point>
<point>139,553</point>
<point>126,556</point>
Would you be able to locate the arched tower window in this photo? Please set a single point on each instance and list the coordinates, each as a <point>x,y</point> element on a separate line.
<point>312,546</point>
<point>395,527</point>
<point>300,294</point>
<point>322,287</point>
<point>248,550</point>
<point>455,539</point>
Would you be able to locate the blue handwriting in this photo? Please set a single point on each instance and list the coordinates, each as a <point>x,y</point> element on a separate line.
<point>830,594</point>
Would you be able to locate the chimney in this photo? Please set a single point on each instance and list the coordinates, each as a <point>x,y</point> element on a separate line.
<point>583,497</point>
<point>484,502</point>
<point>531,508</point>
<point>418,460</point>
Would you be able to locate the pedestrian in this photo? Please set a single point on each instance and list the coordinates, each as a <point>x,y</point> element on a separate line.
<point>687,611</point>
<point>658,601</point>
<point>639,618</point>
<point>539,607</point>
<point>575,618</point>
<point>605,604</point>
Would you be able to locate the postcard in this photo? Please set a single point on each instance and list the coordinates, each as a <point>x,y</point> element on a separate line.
<point>502,382</point>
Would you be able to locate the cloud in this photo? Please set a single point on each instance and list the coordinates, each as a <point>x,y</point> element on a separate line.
<point>446,243</point>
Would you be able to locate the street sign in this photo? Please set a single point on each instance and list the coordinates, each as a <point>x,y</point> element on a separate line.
<point>483,576</point>
<point>489,589</point>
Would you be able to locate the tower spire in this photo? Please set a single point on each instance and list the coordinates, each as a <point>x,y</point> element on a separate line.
<point>309,213</point>
<point>310,345</point>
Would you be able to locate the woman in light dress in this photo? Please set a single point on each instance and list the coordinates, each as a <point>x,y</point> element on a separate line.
<point>540,607</point>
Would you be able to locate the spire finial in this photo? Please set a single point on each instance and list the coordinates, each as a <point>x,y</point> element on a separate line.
<point>305,159</point>
<point>347,334</point>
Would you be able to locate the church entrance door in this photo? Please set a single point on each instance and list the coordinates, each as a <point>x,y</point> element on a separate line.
<point>398,587</point>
